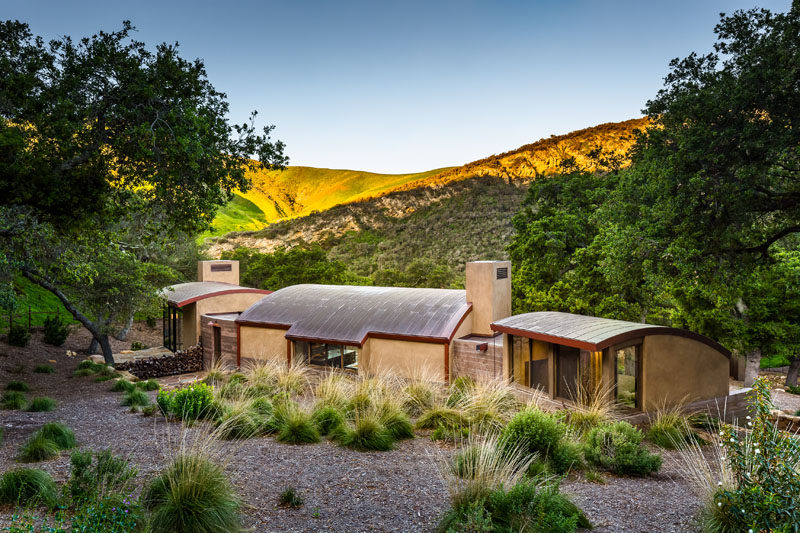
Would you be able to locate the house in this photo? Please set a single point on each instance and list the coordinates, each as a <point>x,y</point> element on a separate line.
<point>642,365</point>
<point>216,290</point>
<point>445,333</point>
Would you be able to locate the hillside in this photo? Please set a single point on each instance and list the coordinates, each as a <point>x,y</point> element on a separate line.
<point>459,222</point>
<point>299,191</point>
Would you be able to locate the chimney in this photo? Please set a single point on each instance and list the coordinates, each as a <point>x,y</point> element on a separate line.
<point>218,270</point>
<point>489,292</point>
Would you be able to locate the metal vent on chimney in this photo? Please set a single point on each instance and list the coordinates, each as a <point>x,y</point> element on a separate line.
<point>221,268</point>
<point>502,273</point>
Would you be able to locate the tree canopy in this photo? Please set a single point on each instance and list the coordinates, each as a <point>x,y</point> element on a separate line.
<point>110,151</point>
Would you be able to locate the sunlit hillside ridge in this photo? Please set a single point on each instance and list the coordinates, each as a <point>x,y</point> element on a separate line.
<point>299,191</point>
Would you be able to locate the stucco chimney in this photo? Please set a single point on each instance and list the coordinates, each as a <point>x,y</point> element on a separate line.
<point>489,292</point>
<point>218,270</point>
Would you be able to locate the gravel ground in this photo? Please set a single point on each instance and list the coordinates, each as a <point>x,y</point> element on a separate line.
<point>343,490</point>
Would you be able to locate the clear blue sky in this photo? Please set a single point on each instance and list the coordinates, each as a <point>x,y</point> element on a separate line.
<point>409,86</point>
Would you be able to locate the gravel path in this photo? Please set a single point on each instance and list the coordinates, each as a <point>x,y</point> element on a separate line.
<point>343,490</point>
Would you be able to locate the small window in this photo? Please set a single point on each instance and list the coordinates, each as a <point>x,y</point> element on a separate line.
<point>502,273</point>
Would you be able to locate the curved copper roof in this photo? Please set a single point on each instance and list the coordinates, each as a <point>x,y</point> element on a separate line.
<point>344,314</point>
<point>588,332</point>
<point>186,293</point>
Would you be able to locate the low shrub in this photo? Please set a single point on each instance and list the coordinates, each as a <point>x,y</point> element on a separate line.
<point>764,489</point>
<point>38,448</point>
<point>164,402</point>
<point>618,448</point>
<point>290,498</point>
<point>122,385</point>
<point>136,398</point>
<point>83,372</point>
<point>59,433</point>
<point>19,335</point>
<point>86,364</point>
<point>112,513</point>
<point>419,397</point>
<point>397,424</point>
<point>192,402</point>
<point>136,345</point>
<point>55,330</point>
<point>19,386</point>
<point>242,421</point>
<point>28,486</point>
<point>296,427</point>
<point>327,420</point>
<point>366,434</point>
<point>669,427</point>
<point>451,434</point>
<point>262,406</point>
<point>150,321</point>
<point>149,410</point>
<point>42,404</point>
<point>107,377</point>
<point>458,390</point>
<point>446,417</point>
<point>96,475</point>
<point>148,385</point>
<point>534,431</point>
<point>193,494</point>
<point>12,400</point>
<point>44,369</point>
<point>566,456</point>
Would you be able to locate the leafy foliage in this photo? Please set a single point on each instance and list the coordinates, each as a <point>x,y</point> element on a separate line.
<point>56,330</point>
<point>534,431</point>
<point>618,448</point>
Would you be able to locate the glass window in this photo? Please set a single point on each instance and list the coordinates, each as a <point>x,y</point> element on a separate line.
<point>332,355</point>
<point>627,363</point>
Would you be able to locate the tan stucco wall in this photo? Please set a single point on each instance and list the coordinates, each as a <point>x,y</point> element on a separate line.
<point>204,272</point>
<point>490,297</point>
<point>224,303</point>
<point>403,358</point>
<point>679,369</point>
<point>262,343</point>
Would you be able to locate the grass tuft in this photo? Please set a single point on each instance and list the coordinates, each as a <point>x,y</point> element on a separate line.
<point>42,404</point>
<point>44,369</point>
<point>28,486</point>
<point>38,448</point>
<point>59,433</point>
<point>366,434</point>
<point>122,385</point>
<point>290,498</point>
<point>136,398</point>
<point>19,386</point>
<point>12,400</point>
<point>148,385</point>
<point>295,426</point>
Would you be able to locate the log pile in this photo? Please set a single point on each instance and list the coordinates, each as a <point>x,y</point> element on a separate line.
<point>186,361</point>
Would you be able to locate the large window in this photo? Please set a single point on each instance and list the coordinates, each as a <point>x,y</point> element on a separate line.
<point>529,362</point>
<point>628,365</point>
<point>173,317</point>
<point>328,355</point>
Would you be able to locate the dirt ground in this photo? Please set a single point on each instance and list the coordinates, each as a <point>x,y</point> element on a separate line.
<point>343,490</point>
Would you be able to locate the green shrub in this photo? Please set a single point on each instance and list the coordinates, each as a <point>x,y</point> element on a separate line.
<point>19,335</point>
<point>60,434</point>
<point>55,330</point>
<point>242,422</point>
<point>534,431</point>
<point>398,425</point>
<point>419,397</point>
<point>113,513</point>
<point>28,486</point>
<point>44,369</point>
<point>192,402</point>
<point>527,506</point>
<point>122,385</point>
<point>453,434</point>
<point>148,385</point>
<point>86,364</point>
<point>442,416</point>
<point>764,462</point>
<point>83,372</point>
<point>192,495</point>
<point>164,402</point>
<point>150,321</point>
<point>104,378</point>
<point>566,456</point>
<point>296,427</point>
<point>12,400</point>
<point>327,420</point>
<point>136,398</point>
<point>290,498</point>
<point>38,448</point>
<point>19,386</point>
<point>665,436</point>
<point>618,448</point>
<point>262,406</point>
<point>136,345</point>
<point>793,390</point>
<point>366,434</point>
<point>42,404</point>
<point>98,474</point>
<point>149,410</point>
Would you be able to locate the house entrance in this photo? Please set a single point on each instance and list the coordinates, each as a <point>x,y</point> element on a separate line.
<point>567,362</point>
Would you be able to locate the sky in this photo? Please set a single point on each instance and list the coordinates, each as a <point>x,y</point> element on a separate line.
<point>408,86</point>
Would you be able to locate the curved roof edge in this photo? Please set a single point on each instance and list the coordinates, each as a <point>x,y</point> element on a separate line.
<point>183,294</point>
<point>639,330</point>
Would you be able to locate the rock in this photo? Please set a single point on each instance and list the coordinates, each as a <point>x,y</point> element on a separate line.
<point>97,359</point>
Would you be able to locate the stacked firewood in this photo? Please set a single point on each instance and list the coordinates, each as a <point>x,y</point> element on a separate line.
<point>183,362</point>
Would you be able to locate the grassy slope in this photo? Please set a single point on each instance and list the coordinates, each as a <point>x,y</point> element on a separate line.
<point>38,300</point>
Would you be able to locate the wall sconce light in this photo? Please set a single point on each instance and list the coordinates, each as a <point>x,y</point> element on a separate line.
<point>482,347</point>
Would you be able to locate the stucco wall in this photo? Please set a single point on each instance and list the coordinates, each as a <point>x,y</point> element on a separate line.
<point>680,369</point>
<point>405,358</point>
<point>204,272</point>
<point>490,297</point>
<point>224,303</point>
<point>262,343</point>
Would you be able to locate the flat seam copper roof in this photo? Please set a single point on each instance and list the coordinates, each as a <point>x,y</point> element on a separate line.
<point>186,293</point>
<point>589,332</point>
<point>349,314</point>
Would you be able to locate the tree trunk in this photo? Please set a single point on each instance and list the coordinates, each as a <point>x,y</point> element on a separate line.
<point>752,367</point>
<point>101,338</point>
<point>794,367</point>
<point>123,333</point>
<point>93,346</point>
